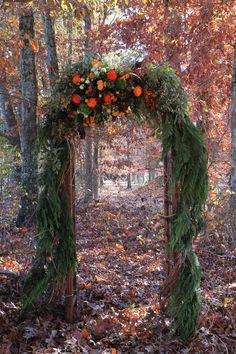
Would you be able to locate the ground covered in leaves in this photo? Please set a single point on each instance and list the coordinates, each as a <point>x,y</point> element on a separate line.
<point>120,246</point>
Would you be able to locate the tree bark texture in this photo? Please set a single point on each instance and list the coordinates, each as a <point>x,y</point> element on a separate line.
<point>28,128</point>
<point>88,194</point>
<point>129,184</point>
<point>87,28</point>
<point>95,165</point>
<point>52,61</point>
<point>233,153</point>
<point>9,127</point>
<point>70,38</point>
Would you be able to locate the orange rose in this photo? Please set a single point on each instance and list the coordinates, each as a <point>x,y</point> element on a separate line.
<point>138,91</point>
<point>91,102</point>
<point>109,98</point>
<point>76,79</point>
<point>75,98</point>
<point>112,75</point>
<point>100,85</point>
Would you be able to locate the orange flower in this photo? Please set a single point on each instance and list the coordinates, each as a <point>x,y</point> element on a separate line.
<point>109,98</point>
<point>112,75</point>
<point>125,76</point>
<point>115,114</point>
<point>96,62</point>
<point>100,85</point>
<point>91,102</point>
<point>76,79</point>
<point>75,98</point>
<point>138,91</point>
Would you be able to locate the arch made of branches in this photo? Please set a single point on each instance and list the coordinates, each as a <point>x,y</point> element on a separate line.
<point>88,94</point>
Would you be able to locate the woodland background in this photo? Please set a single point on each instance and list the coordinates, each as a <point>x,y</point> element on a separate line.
<point>39,39</point>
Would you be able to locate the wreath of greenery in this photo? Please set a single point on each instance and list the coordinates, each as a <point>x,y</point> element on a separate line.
<point>89,94</point>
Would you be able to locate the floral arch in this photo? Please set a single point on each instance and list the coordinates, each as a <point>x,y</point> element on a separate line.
<point>88,94</point>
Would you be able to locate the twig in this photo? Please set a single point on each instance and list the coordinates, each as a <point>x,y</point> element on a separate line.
<point>9,273</point>
<point>165,216</point>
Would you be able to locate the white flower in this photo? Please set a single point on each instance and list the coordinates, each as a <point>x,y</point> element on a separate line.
<point>87,81</point>
<point>103,70</point>
<point>81,87</point>
<point>82,79</point>
<point>96,73</point>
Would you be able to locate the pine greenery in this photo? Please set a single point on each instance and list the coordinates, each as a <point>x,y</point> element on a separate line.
<point>56,253</point>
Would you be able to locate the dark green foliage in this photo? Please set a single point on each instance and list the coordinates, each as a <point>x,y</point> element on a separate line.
<point>185,300</point>
<point>190,175</point>
<point>168,111</point>
<point>56,254</point>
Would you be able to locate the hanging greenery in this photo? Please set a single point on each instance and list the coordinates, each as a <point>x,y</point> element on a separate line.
<point>89,94</point>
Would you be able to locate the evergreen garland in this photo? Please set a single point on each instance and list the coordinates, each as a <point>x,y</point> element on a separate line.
<point>164,101</point>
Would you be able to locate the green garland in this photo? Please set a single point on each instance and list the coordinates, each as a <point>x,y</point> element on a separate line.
<point>162,100</point>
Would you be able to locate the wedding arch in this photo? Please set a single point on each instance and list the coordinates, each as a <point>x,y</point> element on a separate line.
<point>88,94</point>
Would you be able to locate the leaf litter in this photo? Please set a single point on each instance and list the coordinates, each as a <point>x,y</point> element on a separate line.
<point>120,245</point>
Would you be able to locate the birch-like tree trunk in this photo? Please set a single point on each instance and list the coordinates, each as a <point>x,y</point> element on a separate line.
<point>28,126</point>
<point>52,61</point>
<point>233,152</point>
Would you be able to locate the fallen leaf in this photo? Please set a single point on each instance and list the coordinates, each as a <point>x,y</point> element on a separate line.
<point>119,247</point>
<point>227,300</point>
<point>85,333</point>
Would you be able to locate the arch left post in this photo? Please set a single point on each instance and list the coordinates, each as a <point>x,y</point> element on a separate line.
<point>69,187</point>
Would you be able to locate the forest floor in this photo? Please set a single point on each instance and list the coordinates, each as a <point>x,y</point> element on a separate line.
<point>120,246</point>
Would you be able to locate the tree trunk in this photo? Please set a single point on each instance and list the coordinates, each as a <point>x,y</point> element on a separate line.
<point>101,182</point>
<point>233,152</point>
<point>9,127</point>
<point>43,65</point>
<point>70,42</point>
<point>88,194</point>
<point>52,61</point>
<point>129,185</point>
<point>87,28</point>
<point>28,129</point>
<point>95,165</point>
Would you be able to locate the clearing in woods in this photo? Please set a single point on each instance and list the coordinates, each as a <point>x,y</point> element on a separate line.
<point>119,246</point>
